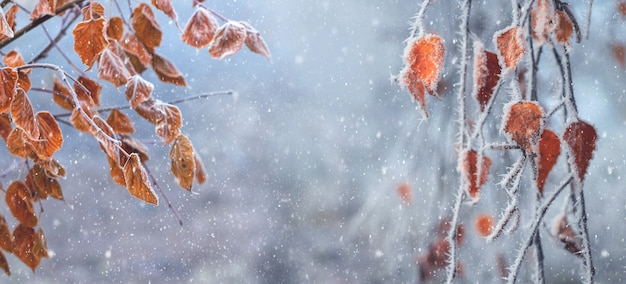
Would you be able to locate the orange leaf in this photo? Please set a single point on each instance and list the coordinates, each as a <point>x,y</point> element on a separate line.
<point>23,82</point>
<point>138,90</point>
<point>200,174</point>
<point>18,145</point>
<point>24,243</point>
<point>9,78</point>
<point>40,248</point>
<point>88,91</point>
<point>79,121</point>
<point>52,167</point>
<point>18,199</point>
<point>581,138</point>
<point>166,71</point>
<point>89,40</point>
<point>14,59</point>
<point>137,53</point>
<point>621,7</point>
<point>137,180</point>
<point>424,60</point>
<point>182,163</point>
<point>484,224</point>
<point>228,40</point>
<point>115,28</point>
<point>549,150</point>
<point>486,74</point>
<point>150,112</point>
<point>43,7</point>
<point>111,68</point>
<point>523,122</point>
<point>105,135</point>
<point>23,114</point>
<point>405,193</point>
<point>146,27</point>
<point>117,174</point>
<point>169,127</point>
<point>5,126</point>
<point>120,122</point>
<point>50,137</point>
<point>6,27</point>
<point>255,43</point>
<point>166,7</point>
<point>200,29</point>
<point>132,145</point>
<point>93,11</point>
<point>470,173</point>
<point>510,43</point>
<point>564,29</point>
<point>61,95</point>
<point>6,239</point>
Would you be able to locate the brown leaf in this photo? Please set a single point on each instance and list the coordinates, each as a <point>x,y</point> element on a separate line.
<point>132,145</point>
<point>115,28</point>
<point>581,138</point>
<point>169,127</point>
<point>9,78</point>
<point>50,137</point>
<point>79,121</point>
<point>93,11</point>
<point>44,185</point>
<point>146,27</point>
<point>40,248</point>
<point>138,90</point>
<point>486,74</point>
<point>52,167</point>
<point>200,29</point>
<point>255,42</point>
<point>621,7</point>
<point>200,174</point>
<point>6,239</point>
<point>470,173</point>
<point>89,40</point>
<point>105,135</point>
<point>18,145</point>
<point>564,29</point>
<point>166,71</point>
<point>120,122</point>
<point>5,126</point>
<point>619,53</point>
<point>23,82</point>
<point>484,224</point>
<point>549,148</point>
<point>23,114</point>
<point>6,27</point>
<point>43,7</point>
<point>19,201</point>
<point>166,7</point>
<point>24,243</point>
<point>88,91</point>
<point>510,43</point>
<point>150,112</point>
<point>14,59</point>
<point>523,122</point>
<point>137,53</point>
<point>543,20</point>
<point>228,40</point>
<point>111,68</point>
<point>4,264</point>
<point>61,95</point>
<point>117,174</point>
<point>137,180</point>
<point>182,163</point>
<point>566,235</point>
<point>423,64</point>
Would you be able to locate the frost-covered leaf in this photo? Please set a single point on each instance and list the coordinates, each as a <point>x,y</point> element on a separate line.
<point>88,91</point>
<point>182,163</point>
<point>255,42</point>
<point>6,27</point>
<point>18,145</point>
<point>564,28</point>
<point>228,40</point>
<point>19,201</point>
<point>50,137</point>
<point>564,232</point>
<point>9,78</point>
<point>486,74</point>
<point>510,44</point>
<point>111,68</point>
<point>523,123</point>
<point>43,7</point>
<point>581,138</point>
<point>132,145</point>
<point>146,27</point>
<point>166,7</point>
<point>61,95</point>
<point>23,115</point>
<point>89,40</point>
<point>166,71</point>
<point>120,122</point>
<point>115,28</point>
<point>14,59</point>
<point>470,172</point>
<point>138,55</point>
<point>549,149</point>
<point>105,135</point>
<point>200,174</point>
<point>200,29</point>
<point>138,90</point>
<point>94,10</point>
<point>137,180</point>
<point>5,126</point>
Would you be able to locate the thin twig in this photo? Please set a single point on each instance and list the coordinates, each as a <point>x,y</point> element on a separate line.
<point>417,29</point>
<point>167,200</point>
<point>586,245</point>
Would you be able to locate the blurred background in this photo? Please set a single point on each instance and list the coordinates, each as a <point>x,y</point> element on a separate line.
<point>304,163</point>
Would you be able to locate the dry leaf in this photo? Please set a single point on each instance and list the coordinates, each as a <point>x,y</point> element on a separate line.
<point>566,235</point>
<point>88,91</point>
<point>510,43</point>
<point>79,121</point>
<point>111,68</point>
<point>89,40</point>
<point>255,42</point>
<point>137,180</point>
<point>146,27</point>
<point>470,173</point>
<point>120,122</point>
<point>166,71</point>
<point>24,239</point>
<point>200,29</point>
<point>138,90</point>
<point>549,148</point>
<point>564,29</point>
<point>106,136</point>
<point>486,74</point>
<point>93,11</point>
<point>200,174</point>
<point>6,239</point>
<point>543,20</point>
<point>132,145</point>
<point>5,126</point>
<point>139,57</point>
<point>484,224</point>
<point>61,95</point>
<point>23,115</point>
<point>50,137</point>
<point>9,78</point>
<point>19,201</point>
<point>18,145</point>
<point>115,28</point>
<point>581,138</point>
<point>14,59</point>
<point>523,123</point>
<point>6,27</point>
<point>43,7</point>
<point>169,128</point>
<point>117,174</point>
<point>228,40</point>
<point>23,82</point>
<point>182,163</point>
<point>166,7</point>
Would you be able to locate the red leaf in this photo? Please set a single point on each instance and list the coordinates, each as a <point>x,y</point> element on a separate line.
<point>510,43</point>
<point>146,27</point>
<point>228,40</point>
<point>549,151</point>
<point>484,224</point>
<point>470,173</point>
<point>564,29</point>
<point>89,40</point>
<point>581,138</point>
<point>486,74</point>
<point>523,122</point>
<point>200,29</point>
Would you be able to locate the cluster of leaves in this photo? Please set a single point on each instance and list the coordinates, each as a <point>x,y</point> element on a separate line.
<point>122,49</point>
<point>542,26</point>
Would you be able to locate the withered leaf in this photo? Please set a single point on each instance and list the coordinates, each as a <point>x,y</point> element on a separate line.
<point>44,185</point>
<point>8,77</point>
<point>120,122</point>
<point>4,264</point>
<point>18,145</point>
<point>19,201</point>
<point>106,136</point>
<point>255,42</point>
<point>14,59</point>
<point>523,122</point>
<point>200,29</point>
<point>510,44</point>
<point>5,126</point>
<point>146,27</point>
<point>470,168</point>
<point>6,239</point>
<point>117,174</point>
<point>132,145</point>
<point>89,40</point>
<point>166,71</point>
<point>169,127</point>
<point>111,68</point>
<point>43,7</point>
<point>182,162</point>
<point>50,137</point>
<point>61,95</point>
<point>138,90</point>
<point>228,40</point>
<point>543,20</point>
<point>115,28</point>
<point>140,57</point>
<point>549,148</point>
<point>53,168</point>
<point>566,235</point>
<point>484,224</point>
<point>137,180</point>
<point>201,175</point>
<point>88,91</point>
<point>6,29</point>
<point>24,243</point>
<point>486,74</point>
<point>23,114</point>
<point>581,138</point>
<point>81,121</point>
<point>564,29</point>
<point>94,10</point>
<point>166,7</point>
<point>150,112</point>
